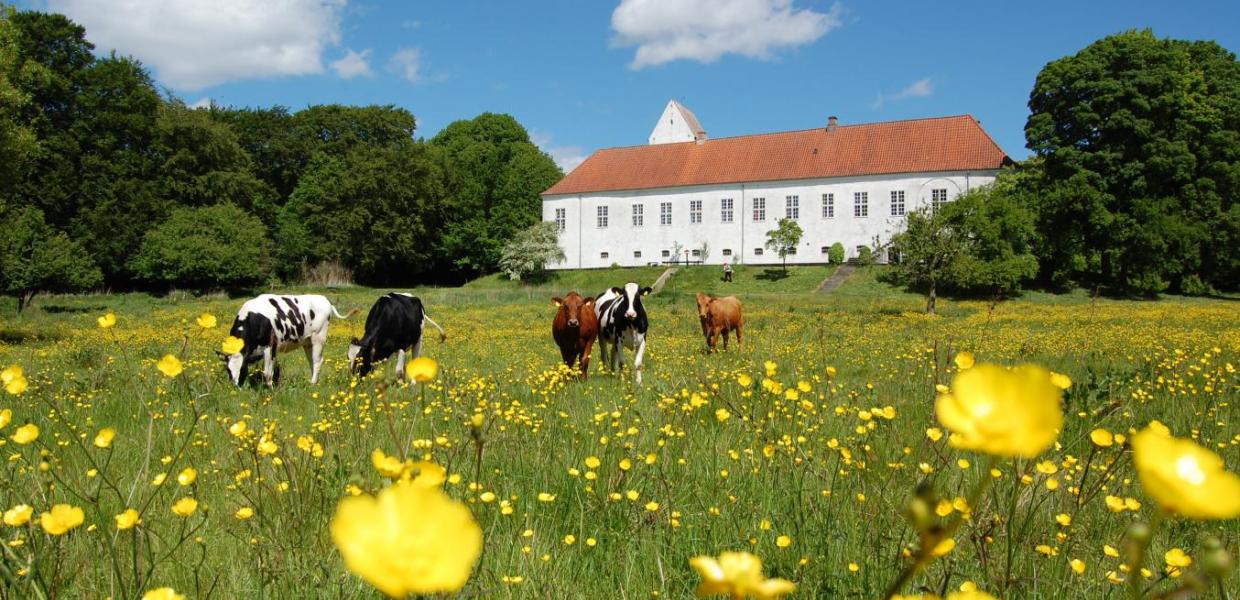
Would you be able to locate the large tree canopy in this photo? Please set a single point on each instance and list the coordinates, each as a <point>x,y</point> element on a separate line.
<point>495,176</point>
<point>1140,138</point>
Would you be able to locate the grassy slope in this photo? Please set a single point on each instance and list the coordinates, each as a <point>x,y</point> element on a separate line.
<point>499,359</point>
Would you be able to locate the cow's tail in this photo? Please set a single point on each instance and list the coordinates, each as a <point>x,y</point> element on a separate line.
<point>344,316</point>
<point>426,318</point>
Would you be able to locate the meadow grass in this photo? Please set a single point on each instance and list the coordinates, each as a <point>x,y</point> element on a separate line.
<point>816,482</point>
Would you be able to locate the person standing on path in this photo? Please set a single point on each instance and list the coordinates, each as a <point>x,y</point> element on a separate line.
<point>727,272</point>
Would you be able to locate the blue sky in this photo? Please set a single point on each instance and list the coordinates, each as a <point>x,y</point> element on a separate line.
<point>583,75</point>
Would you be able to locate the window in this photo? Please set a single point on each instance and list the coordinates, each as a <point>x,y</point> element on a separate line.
<point>759,209</point>
<point>828,206</point>
<point>757,252</point>
<point>667,253</point>
<point>897,203</point>
<point>725,210</point>
<point>826,249</point>
<point>695,211</point>
<point>602,217</point>
<point>792,207</point>
<point>637,254</point>
<point>604,255</point>
<point>639,216</point>
<point>561,219</point>
<point>861,204</point>
<point>727,252</point>
<point>697,253</point>
<point>665,213</point>
<point>792,250</point>
<point>938,198</point>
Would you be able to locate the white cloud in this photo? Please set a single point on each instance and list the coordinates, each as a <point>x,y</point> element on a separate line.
<point>567,157</point>
<point>407,63</point>
<point>203,102</point>
<point>353,64</point>
<point>918,89</point>
<point>193,44</point>
<point>705,30</point>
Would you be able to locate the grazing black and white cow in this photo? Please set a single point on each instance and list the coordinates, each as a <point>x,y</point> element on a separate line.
<point>393,326</point>
<point>622,321</point>
<point>270,324</point>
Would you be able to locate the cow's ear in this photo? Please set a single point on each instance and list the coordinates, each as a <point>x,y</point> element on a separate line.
<point>647,290</point>
<point>588,301</point>
<point>556,301</point>
<point>617,290</point>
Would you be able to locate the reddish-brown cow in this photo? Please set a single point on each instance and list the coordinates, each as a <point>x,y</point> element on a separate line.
<point>574,329</point>
<point>719,315</point>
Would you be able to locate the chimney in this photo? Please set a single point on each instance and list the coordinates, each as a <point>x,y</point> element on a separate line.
<point>831,122</point>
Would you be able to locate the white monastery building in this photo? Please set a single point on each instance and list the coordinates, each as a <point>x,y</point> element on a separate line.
<point>851,184</point>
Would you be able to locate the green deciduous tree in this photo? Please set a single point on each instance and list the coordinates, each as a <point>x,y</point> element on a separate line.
<point>17,138</point>
<point>1140,143</point>
<point>531,250</point>
<point>495,176</point>
<point>784,239</point>
<point>980,242</point>
<point>35,258</point>
<point>219,246</point>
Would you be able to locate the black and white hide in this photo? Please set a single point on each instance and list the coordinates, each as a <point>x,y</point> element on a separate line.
<point>622,323</point>
<point>394,326</point>
<point>270,324</point>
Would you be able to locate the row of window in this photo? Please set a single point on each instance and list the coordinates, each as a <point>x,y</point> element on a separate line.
<point>697,253</point>
<point>792,209</point>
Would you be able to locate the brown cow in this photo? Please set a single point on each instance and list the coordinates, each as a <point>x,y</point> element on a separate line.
<point>719,315</point>
<point>574,329</point>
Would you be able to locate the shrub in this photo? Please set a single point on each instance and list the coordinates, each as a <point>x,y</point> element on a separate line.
<point>204,248</point>
<point>835,255</point>
<point>865,256</point>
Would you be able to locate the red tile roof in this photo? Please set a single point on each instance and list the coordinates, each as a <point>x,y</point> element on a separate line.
<point>917,146</point>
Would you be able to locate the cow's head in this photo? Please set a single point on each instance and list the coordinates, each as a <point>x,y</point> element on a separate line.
<point>703,305</point>
<point>359,358</point>
<point>572,305</point>
<point>234,365</point>
<point>249,327</point>
<point>632,294</point>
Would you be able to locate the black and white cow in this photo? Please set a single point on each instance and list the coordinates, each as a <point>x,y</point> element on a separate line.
<point>393,326</point>
<point>622,321</point>
<point>270,324</point>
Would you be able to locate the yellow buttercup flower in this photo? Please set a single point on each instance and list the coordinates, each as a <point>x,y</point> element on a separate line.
<point>1003,412</point>
<point>1176,557</point>
<point>26,433</point>
<point>1184,478</point>
<point>1102,438</point>
<point>744,380</point>
<point>163,593</point>
<point>6,417</point>
<point>410,539</point>
<point>169,366</point>
<point>232,345</point>
<point>14,380</point>
<point>737,575</point>
<point>104,438</point>
<point>206,321</point>
<point>127,519</point>
<point>964,360</point>
<point>187,476</point>
<point>18,515</point>
<point>185,507</point>
<point>106,321</point>
<point>244,513</point>
<point>61,519</point>
<point>266,446</point>
<point>422,369</point>
<point>1061,381</point>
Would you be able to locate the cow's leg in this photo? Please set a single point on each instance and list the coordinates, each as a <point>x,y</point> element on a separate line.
<point>269,366</point>
<point>316,357</point>
<point>400,364</point>
<point>617,354</point>
<point>602,348</point>
<point>738,335</point>
<point>725,338</point>
<point>585,358</point>
<point>637,357</point>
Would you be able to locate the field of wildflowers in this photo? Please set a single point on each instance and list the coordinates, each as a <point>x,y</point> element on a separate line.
<point>852,448</point>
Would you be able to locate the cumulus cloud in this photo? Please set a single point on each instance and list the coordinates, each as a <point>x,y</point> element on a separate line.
<point>407,63</point>
<point>705,30</point>
<point>353,64</point>
<point>193,44</point>
<point>918,89</point>
<point>567,157</point>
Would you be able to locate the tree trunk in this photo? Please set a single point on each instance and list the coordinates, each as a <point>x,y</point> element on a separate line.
<point>23,300</point>
<point>930,298</point>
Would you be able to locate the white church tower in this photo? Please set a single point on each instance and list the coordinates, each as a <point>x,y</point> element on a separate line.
<point>678,124</point>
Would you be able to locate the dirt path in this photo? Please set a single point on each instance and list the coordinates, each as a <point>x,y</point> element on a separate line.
<point>662,280</point>
<point>836,279</point>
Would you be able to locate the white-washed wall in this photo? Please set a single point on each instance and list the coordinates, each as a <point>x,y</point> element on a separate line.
<point>584,242</point>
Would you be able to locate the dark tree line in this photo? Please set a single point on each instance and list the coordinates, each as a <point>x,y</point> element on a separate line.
<point>147,191</point>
